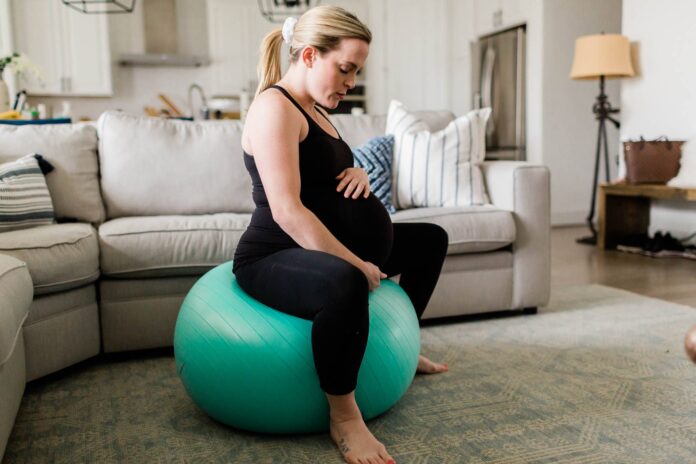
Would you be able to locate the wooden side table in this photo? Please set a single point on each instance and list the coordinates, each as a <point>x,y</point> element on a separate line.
<point>625,209</point>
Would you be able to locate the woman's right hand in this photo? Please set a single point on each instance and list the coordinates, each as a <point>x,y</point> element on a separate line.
<point>373,274</point>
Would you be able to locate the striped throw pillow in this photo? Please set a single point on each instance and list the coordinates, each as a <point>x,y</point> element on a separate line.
<point>437,168</point>
<point>24,197</point>
<point>375,157</point>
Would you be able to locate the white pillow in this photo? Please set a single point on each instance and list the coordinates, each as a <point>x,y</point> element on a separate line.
<point>686,177</point>
<point>437,168</point>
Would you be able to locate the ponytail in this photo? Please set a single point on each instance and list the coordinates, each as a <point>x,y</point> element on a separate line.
<point>321,27</point>
<point>269,71</point>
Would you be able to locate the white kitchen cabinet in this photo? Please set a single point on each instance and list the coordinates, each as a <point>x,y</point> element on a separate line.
<point>235,30</point>
<point>417,50</point>
<point>70,48</point>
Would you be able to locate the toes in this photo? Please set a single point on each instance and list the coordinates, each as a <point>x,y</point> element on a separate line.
<point>386,457</point>
<point>426,366</point>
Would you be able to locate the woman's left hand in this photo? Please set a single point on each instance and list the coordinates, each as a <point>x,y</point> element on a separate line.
<point>355,182</point>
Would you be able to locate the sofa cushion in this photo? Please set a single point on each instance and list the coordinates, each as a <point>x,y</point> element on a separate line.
<point>72,150</point>
<point>15,298</point>
<point>151,166</point>
<point>471,229</point>
<point>59,256</point>
<point>158,246</point>
<point>356,130</point>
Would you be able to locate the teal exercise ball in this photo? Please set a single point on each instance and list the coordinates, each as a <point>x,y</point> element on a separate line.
<point>251,367</point>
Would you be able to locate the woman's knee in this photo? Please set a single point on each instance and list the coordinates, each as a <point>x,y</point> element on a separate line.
<point>349,285</point>
<point>437,237</point>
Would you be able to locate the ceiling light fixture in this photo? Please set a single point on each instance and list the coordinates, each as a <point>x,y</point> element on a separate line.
<point>277,10</point>
<point>101,6</point>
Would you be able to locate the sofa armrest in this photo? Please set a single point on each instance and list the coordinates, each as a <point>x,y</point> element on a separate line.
<point>524,189</point>
<point>16,294</point>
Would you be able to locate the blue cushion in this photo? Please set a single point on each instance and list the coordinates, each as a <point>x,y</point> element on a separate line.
<point>375,157</point>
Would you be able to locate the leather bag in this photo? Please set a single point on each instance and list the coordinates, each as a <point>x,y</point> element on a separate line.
<point>652,161</point>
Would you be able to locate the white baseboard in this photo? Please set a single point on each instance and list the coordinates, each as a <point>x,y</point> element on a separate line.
<point>569,218</point>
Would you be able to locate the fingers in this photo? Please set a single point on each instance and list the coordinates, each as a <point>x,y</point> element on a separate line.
<point>354,189</point>
<point>351,186</point>
<point>373,274</point>
<point>343,183</point>
<point>354,185</point>
<point>357,192</point>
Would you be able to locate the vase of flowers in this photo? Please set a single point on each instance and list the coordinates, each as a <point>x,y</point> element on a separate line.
<point>4,92</point>
<point>20,64</point>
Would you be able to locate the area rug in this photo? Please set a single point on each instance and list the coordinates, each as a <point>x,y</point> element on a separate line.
<point>598,376</point>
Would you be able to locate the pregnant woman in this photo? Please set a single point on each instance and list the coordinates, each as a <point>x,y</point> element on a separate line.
<point>318,240</point>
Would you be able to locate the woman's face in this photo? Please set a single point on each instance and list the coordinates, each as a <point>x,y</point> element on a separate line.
<point>333,73</point>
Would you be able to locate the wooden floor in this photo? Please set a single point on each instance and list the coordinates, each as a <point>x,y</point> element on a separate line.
<point>671,279</point>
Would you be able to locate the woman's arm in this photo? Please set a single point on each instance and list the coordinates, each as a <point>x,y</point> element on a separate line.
<point>272,130</point>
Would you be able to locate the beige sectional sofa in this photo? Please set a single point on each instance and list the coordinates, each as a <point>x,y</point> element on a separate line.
<point>146,206</point>
<point>16,291</point>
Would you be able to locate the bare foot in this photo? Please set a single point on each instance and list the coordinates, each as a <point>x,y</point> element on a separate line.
<point>356,442</point>
<point>426,366</point>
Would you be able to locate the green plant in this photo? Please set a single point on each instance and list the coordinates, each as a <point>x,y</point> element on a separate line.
<point>7,61</point>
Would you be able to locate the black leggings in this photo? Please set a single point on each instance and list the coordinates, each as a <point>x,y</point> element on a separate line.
<point>333,293</point>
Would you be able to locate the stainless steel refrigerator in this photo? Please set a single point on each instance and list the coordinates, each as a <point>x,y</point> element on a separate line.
<point>498,81</point>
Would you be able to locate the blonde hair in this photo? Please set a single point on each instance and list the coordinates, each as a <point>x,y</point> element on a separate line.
<point>322,27</point>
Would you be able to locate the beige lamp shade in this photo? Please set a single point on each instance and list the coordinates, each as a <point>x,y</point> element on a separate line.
<point>607,55</point>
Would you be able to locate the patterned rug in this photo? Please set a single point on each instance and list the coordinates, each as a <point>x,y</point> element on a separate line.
<point>599,376</point>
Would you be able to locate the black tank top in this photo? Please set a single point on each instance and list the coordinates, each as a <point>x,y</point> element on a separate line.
<point>363,225</point>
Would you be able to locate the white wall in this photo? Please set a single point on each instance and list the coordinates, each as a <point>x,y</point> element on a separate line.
<point>561,129</point>
<point>6,41</point>
<point>5,35</point>
<point>569,128</point>
<point>661,99</point>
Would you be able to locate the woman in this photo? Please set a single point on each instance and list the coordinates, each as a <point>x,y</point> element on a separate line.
<point>319,241</point>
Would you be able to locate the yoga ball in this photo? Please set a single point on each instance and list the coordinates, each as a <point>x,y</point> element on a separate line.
<point>251,367</point>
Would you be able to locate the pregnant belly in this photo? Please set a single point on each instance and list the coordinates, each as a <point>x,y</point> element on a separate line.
<point>362,225</point>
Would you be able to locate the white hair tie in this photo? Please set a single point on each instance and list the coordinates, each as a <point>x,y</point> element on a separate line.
<point>289,29</point>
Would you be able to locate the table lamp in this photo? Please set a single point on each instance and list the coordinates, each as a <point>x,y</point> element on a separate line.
<point>601,56</point>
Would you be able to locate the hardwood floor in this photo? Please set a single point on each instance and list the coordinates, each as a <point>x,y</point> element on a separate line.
<point>671,279</point>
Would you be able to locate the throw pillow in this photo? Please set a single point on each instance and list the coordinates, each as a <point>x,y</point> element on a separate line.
<point>686,177</point>
<point>26,201</point>
<point>437,168</point>
<point>375,157</point>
